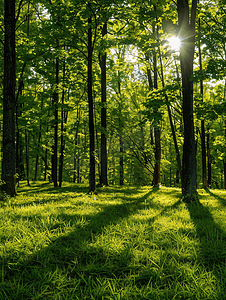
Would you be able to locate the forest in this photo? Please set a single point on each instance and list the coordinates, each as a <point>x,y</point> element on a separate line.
<point>119,92</point>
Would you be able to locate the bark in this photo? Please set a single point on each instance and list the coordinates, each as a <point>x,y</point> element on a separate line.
<point>37,156</point>
<point>9,83</point>
<point>27,156</point>
<point>208,158</point>
<point>157,133</point>
<point>63,130</point>
<point>187,35</point>
<point>224,161</point>
<point>121,150</point>
<point>203,134</point>
<point>121,163</point>
<point>103,160</point>
<point>92,177</point>
<point>76,156</point>
<point>55,145</point>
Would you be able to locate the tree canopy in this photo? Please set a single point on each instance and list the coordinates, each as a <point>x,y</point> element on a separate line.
<point>97,94</point>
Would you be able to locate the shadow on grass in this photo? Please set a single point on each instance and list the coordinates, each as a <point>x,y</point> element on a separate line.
<point>73,256</point>
<point>212,244</point>
<point>220,199</point>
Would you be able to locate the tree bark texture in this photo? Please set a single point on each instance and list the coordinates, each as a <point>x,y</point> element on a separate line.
<point>9,83</point>
<point>103,177</point>
<point>187,36</point>
<point>157,133</point>
<point>208,158</point>
<point>203,133</point>
<point>92,177</point>
<point>55,145</point>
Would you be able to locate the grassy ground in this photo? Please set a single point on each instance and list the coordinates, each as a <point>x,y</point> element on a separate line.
<point>124,243</point>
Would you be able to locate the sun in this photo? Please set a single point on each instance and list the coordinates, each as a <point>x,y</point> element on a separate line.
<point>174,43</point>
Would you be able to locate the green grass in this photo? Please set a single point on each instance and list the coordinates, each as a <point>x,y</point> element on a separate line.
<point>124,243</point>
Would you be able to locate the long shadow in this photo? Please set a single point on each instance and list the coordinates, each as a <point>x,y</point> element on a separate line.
<point>220,199</point>
<point>212,240</point>
<point>70,253</point>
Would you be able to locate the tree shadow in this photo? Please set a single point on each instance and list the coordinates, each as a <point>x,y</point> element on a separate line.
<point>220,199</point>
<point>74,252</point>
<point>212,240</point>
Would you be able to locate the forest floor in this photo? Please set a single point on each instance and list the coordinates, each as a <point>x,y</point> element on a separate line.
<point>124,243</point>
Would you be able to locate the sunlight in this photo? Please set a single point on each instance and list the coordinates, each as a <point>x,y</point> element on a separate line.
<point>174,43</point>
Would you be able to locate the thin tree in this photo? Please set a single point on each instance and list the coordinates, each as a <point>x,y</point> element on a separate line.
<point>103,161</point>
<point>92,177</point>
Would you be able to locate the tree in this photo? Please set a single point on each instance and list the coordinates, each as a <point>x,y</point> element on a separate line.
<point>186,21</point>
<point>103,176</point>
<point>92,177</point>
<point>9,84</point>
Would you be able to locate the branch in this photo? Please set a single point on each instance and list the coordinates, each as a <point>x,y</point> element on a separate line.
<point>19,8</point>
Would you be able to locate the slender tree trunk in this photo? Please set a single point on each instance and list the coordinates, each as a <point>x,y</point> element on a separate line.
<point>103,160</point>
<point>27,156</point>
<point>208,158</point>
<point>92,177</point>
<point>224,161</point>
<point>203,134</point>
<point>121,163</point>
<point>187,35</point>
<point>121,150</point>
<point>62,141</point>
<point>157,134</point>
<point>55,145</point>
<point>37,156</point>
<point>9,83</point>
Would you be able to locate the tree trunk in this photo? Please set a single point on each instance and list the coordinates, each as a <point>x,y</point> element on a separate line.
<point>92,178</point>
<point>37,156</point>
<point>9,83</point>
<point>103,160</point>
<point>224,161</point>
<point>187,35</point>
<point>208,158</point>
<point>62,141</point>
<point>121,163</point>
<point>27,156</point>
<point>55,145</point>
<point>157,133</point>
<point>203,134</point>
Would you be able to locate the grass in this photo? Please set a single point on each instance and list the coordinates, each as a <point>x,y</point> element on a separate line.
<point>124,243</point>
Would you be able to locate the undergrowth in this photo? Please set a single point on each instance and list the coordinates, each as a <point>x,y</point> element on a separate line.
<point>123,243</point>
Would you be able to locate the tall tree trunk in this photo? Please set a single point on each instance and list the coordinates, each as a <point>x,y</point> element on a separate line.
<point>37,156</point>
<point>208,158</point>
<point>203,134</point>
<point>187,35</point>
<point>55,145</point>
<point>9,83</point>
<point>62,141</point>
<point>92,177</point>
<point>76,155</point>
<point>27,156</point>
<point>38,145</point>
<point>121,162</point>
<point>121,150</point>
<point>157,133</point>
<point>103,160</point>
